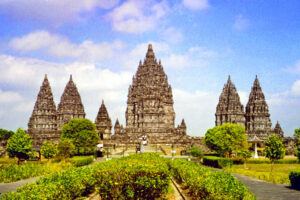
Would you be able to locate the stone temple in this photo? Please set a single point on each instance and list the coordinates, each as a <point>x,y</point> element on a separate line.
<point>256,118</point>
<point>150,109</point>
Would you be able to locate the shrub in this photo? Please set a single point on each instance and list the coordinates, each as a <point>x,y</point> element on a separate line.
<point>134,177</point>
<point>5,134</point>
<point>204,183</point>
<point>65,148</point>
<point>195,152</point>
<point>49,149</point>
<point>217,162</point>
<point>60,185</point>
<point>79,161</point>
<point>295,179</point>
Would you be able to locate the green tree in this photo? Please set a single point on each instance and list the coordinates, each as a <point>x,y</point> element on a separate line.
<point>195,152</point>
<point>83,134</point>
<point>245,154</point>
<point>49,149</point>
<point>19,145</point>
<point>274,149</point>
<point>65,148</point>
<point>226,138</point>
<point>5,134</point>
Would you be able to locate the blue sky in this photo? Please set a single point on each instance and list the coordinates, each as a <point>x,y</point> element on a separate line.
<point>200,42</point>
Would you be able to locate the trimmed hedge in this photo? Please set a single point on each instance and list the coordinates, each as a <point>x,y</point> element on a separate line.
<point>204,183</point>
<point>79,161</point>
<point>60,185</point>
<point>217,162</point>
<point>266,161</point>
<point>295,179</point>
<point>136,177</point>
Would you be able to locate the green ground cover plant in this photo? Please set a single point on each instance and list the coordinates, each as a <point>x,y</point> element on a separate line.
<point>133,177</point>
<point>11,172</point>
<point>204,183</point>
<point>217,162</point>
<point>79,161</point>
<point>145,176</point>
<point>280,174</point>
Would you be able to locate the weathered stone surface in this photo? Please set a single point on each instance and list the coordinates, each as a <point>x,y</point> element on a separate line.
<point>257,113</point>
<point>103,122</point>
<point>42,124</point>
<point>70,106</point>
<point>229,108</point>
<point>277,130</point>
<point>150,99</point>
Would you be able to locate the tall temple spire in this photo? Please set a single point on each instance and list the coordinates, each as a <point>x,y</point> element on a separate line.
<point>278,130</point>
<point>150,99</point>
<point>70,105</point>
<point>229,108</point>
<point>103,122</point>
<point>42,123</point>
<point>257,113</point>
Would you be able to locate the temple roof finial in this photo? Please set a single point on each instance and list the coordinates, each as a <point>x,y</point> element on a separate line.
<point>71,79</point>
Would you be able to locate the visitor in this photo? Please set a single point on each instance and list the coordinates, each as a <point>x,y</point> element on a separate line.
<point>100,149</point>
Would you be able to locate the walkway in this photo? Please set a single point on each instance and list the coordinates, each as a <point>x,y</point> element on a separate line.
<point>8,187</point>
<point>266,191</point>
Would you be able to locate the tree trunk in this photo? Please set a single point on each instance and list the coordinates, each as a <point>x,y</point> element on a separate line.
<point>272,165</point>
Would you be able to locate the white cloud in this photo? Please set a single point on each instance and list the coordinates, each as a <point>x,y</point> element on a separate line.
<point>60,47</point>
<point>9,97</point>
<point>136,16</point>
<point>194,57</point>
<point>131,60</point>
<point>241,23</point>
<point>296,88</point>
<point>93,84</point>
<point>196,4</point>
<point>56,12</point>
<point>172,35</point>
<point>295,69</point>
<point>197,108</point>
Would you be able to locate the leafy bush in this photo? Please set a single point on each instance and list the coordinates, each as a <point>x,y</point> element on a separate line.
<point>136,177</point>
<point>5,134</point>
<point>65,148</point>
<point>195,152</point>
<point>217,162</point>
<point>204,183</point>
<point>295,179</point>
<point>60,185</point>
<point>79,161</point>
<point>49,149</point>
<point>13,172</point>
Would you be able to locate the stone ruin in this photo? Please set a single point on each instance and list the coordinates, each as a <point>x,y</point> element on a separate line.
<point>256,118</point>
<point>149,111</point>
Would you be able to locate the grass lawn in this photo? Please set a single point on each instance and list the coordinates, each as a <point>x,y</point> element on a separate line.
<point>280,174</point>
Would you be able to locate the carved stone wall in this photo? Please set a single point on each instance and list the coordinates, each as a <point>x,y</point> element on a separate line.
<point>70,106</point>
<point>103,122</point>
<point>229,108</point>
<point>42,124</point>
<point>257,113</point>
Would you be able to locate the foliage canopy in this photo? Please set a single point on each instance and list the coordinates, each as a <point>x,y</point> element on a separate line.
<point>49,149</point>
<point>19,145</point>
<point>226,138</point>
<point>83,134</point>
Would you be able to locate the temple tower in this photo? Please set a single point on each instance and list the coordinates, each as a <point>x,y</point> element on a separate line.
<point>70,106</point>
<point>117,127</point>
<point>257,113</point>
<point>103,123</point>
<point>229,108</point>
<point>42,123</point>
<point>150,100</point>
<point>278,131</point>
